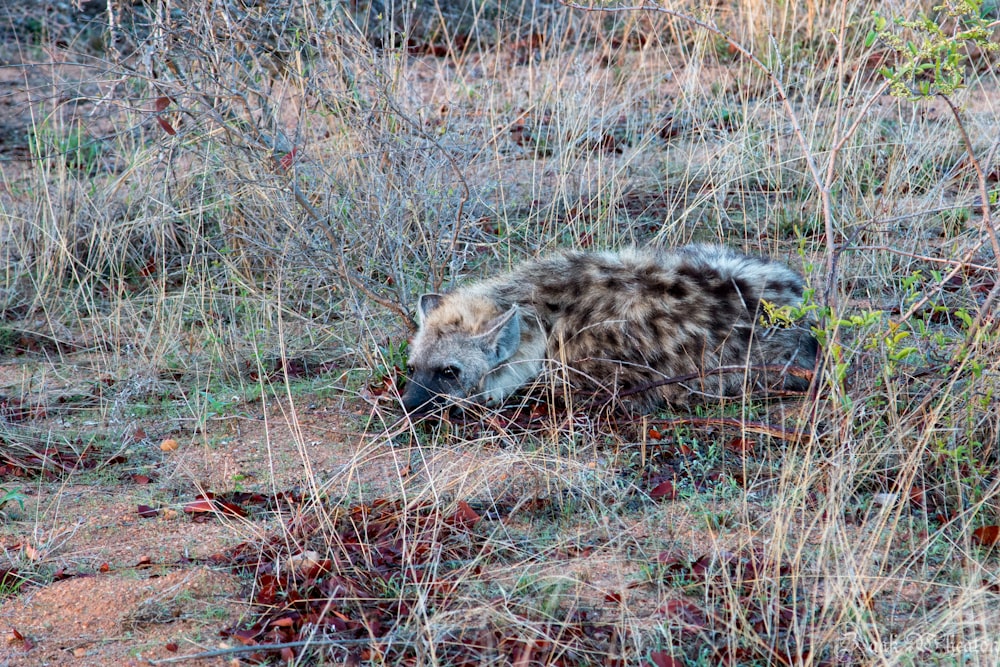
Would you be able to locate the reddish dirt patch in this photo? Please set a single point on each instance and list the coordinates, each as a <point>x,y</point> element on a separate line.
<point>122,618</point>
<point>142,583</point>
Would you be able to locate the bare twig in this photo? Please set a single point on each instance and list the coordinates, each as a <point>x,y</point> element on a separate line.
<point>354,279</point>
<point>761,428</point>
<point>927,258</point>
<point>205,655</point>
<point>966,260</point>
<point>803,373</point>
<point>984,192</point>
<point>822,185</point>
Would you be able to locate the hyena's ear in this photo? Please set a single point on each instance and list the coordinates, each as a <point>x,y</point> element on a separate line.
<point>503,335</point>
<point>427,304</point>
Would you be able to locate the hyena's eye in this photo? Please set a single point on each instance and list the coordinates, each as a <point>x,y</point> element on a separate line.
<point>450,372</point>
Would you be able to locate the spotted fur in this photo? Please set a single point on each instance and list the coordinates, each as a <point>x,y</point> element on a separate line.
<point>616,322</point>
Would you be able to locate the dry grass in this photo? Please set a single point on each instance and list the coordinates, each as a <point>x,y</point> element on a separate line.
<point>223,202</point>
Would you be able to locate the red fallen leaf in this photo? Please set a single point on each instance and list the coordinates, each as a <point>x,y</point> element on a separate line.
<point>654,434</point>
<point>686,612</point>
<point>166,126</point>
<point>740,445</point>
<point>172,647</point>
<point>245,637</point>
<point>162,103</point>
<point>287,654</point>
<point>282,623</point>
<point>148,270</point>
<point>147,512</point>
<point>668,128</point>
<point>104,568</point>
<point>288,158</point>
<point>663,491</point>
<point>141,479</point>
<point>685,450</point>
<point>199,506</point>
<point>671,558</point>
<point>917,495</point>
<point>465,516</point>
<point>539,411</point>
<point>613,597</point>
<point>232,509</point>
<point>663,659</point>
<point>321,567</point>
<point>987,535</point>
<point>139,435</point>
<point>268,592</point>
<point>17,635</point>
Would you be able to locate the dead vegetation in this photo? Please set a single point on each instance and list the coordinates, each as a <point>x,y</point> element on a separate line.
<point>216,219</point>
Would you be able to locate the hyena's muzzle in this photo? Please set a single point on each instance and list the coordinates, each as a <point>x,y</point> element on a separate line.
<point>427,392</point>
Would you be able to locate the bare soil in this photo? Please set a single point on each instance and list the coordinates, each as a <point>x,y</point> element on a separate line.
<point>118,563</point>
<point>146,588</point>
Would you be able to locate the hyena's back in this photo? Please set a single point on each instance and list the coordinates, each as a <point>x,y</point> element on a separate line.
<point>621,322</point>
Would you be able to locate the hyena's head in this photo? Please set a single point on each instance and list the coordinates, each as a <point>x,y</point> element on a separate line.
<point>460,340</point>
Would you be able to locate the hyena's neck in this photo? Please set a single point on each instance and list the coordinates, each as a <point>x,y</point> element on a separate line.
<point>527,288</point>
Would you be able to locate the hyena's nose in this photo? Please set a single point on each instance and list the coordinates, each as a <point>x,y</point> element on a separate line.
<point>417,400</point>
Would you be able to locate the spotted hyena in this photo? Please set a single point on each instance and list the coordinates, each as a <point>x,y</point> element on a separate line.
<point>615,322</point>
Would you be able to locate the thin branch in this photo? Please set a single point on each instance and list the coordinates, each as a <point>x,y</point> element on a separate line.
<point>761,428</point>
<point>355,280</point>
<point>779,88</point>
<point>984,192</point>
<point>965,261</point>
<point>205,655</point>
<point>796,371</point>
<point>927,258</point>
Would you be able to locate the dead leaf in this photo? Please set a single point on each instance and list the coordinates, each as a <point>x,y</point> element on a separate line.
<point>987,536</point>
<point>465,516</point>
<point>169,445</point>
<point>288,159</point>
<point>740,446</point>
<point>663,659</point>
<point>663,491</point>
<point>166,126</point>
<point>199,506</point>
